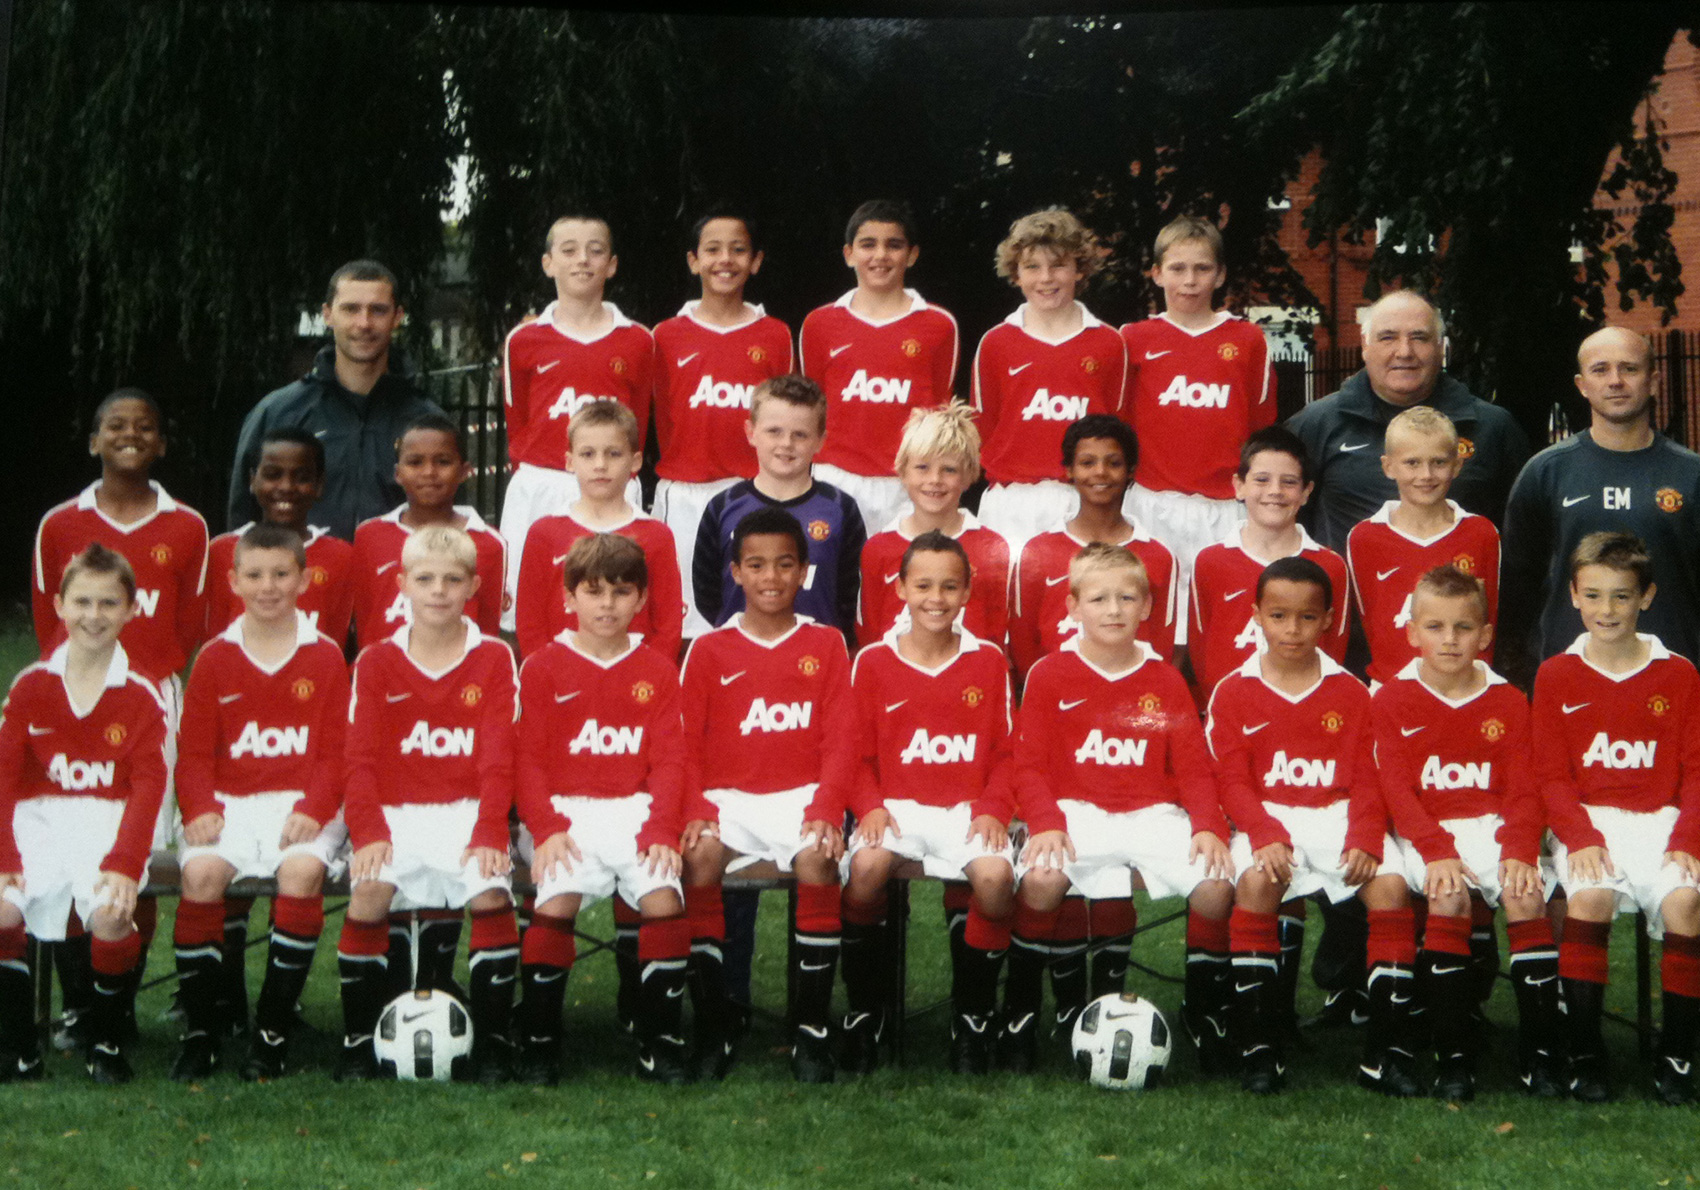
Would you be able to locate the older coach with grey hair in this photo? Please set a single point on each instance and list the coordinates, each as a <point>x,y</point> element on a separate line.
<point>1344,431</point>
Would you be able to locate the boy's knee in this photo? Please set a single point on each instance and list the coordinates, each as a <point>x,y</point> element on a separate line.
<point>1449,905</point>
<point>663,902</point>
<point>812,867</point>
<point>1593,904</point>
<point>490,898</point>
<point>300,876</point>
<point>205,879</point>
<point>370,900</point>
<point>1681,911</point>
<point>1213,898</point>
<point>1387,892</point>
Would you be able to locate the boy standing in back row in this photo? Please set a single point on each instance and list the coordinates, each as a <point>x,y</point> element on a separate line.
<point>878,352</point>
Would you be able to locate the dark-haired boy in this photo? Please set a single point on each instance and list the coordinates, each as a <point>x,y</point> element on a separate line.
<point>877,352</point>
<point>766,701</point>
<point>1617,750</point>
<point>709,357</point>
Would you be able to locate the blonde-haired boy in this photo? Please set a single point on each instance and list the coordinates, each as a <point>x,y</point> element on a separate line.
<point>1046,366</point>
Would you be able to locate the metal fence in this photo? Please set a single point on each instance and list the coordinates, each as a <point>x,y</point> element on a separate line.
<point>471,395</point>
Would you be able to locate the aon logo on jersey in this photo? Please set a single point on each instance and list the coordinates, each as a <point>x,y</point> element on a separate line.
<point>1055,408</point>
<point>723,395</point>
<point>938,749</point>
<point>1456,776</point>
<point>1404,616</point>
<point>1251,637</point>
<point>438,742</point>
<point>1110,750</point>
<point>80,774</point>
<point>606,741</point>
<point>147,602</point>
<point>878,390</point>
<point>781,716</point>
<point>400,611</point>
<point>267,742</point>
<point>1299,772</point>
<point>569,403</point>
<point>1194,396</point>
<point>1619,754</point>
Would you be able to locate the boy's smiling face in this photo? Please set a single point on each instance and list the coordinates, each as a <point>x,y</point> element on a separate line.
<point>724,258</point>
<point>128,439</point>
<point>1099,472</point>
<point>286,484</point>
<point>769,572</point>
<point>881,254</point>
<point>1273,489</point>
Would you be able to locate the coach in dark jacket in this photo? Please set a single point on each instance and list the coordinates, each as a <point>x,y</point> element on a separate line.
<point>351,400</point>
<point>1344,431</point>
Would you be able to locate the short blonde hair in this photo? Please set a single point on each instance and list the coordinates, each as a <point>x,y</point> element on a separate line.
<point>1423,421</point>
<point>605,413</point>
<point>607,228</point>
<point>1101,556</point>
<point>444,541</point>
<point>790,388</point>
<point>1054,229</point>
<point>1448,582</point>
<point>1187,227</point>
<point>942,432</point>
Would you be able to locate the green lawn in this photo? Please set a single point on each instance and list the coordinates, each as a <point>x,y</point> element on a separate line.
<point>915,1126</point>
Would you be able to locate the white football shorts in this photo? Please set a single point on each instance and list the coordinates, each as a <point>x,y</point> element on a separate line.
<point>1637,844</point>
<point>1109,847</point>
<point>605,829</point>
<point>253,828</point>
<point>1022,511</point>
<point>63,842</point>
<point>936,836</point>
<point>763,826</point>
<point>427,842</point>
<point>1319,837</point>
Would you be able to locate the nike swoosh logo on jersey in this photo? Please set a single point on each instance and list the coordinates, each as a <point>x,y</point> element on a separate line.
<point>34,730</point>
<point>1155,354</point>
<point>892,577</point>
<point>1233,595</point>
<point>1571,710</point>
<point>568,697</point>
<point>1021,369</point>
<point>1069,706</point>
<point>1381,575</point>
<point>892,706</point>
<point>838,351</point>
<point>728,679</point>
<point>1061,578</point>
<point>1569,500</point>
<point>542,368</point>
<point>557,559</point>
<point>226,699</point>
<point>1408,732</point>
<point>397,697</point>
<point>685,359</point>
<point>1346,450</point>
<point>1254,730</point>
<point>388,566</point>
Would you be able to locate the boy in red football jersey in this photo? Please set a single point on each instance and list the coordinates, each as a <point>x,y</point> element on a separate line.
<point>1295,763</point>
<point>82,778</point>
<point>1199,383</point>
<point>1452,745</point>
<point>766,698</point>
<point>933,784</point>
<point>578,349</point>
<point>259,779</point>
<point>430,467</point>
<point>709,357</point>
<point>1045,366</point>
<point>1273,481</point>
<point>1412,535</point>
<point>604,438</point>
<point>1113,776</point>
<point>1099,455</point>
<point>878,352</point>
<point>286,481</point>
<point>429,787</point>
<point>938,459</point>
<point>600,772</point>
<point>1617,750</point>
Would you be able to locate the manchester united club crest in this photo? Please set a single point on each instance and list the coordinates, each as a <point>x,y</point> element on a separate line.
<point>1465,562</point>
<point>643,692</point>
<point>618,365</point>
<point>317,576</point>
<point>819,530</point>
<point>1668,499</point>
<point>1332,722</point>
<point>810,665</point>
<point>470,694</point>
<point>1466,449</point>
<point>161,554</point>
<point>1089,364</point>
<point>1150,703</point>
<point>911,347</point>
<point>115,734</point>
<point>303,689</point>
<point>1228,351</point>
<point>973,696</point>
<point>758,355</point>
<point>1493,730</point>
<point>1658,704</point>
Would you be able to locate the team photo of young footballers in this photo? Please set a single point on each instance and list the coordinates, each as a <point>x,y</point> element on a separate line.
<point>1100,454</point>
<point>709,357</point>
<point>1295,766</point>
<point>877,352</point>
<point>1046,366</point>
<point>766,699</point>
<point>1408,537</point>
<point>1457,777</point>
<point>604,440</point>
<point>1617,753</point>
<point>1113,777</point>
<point>933,784</point>
<point>259,783</point>
<point>430,775</point>
<point>82,779</point>
<point>601,771</point>
<point>937,460</point>
<point>578,349</point>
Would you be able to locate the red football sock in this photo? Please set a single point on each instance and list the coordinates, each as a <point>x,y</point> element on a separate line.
<point>1447,935</point>
<point>664,938</point>
<point>1112,918</point>
<point>1207,934</point>
<point>957,898</point>
<point>493,929</point>
<point>1585,950</point>
<point>987,933</point>
<point>363,938</point>
<point>863,913</point>
<point>1250,932</point>
<point>146,917</point>
<point>549,942</point>
<point>817,909</point>
<point>625,915</point>
<point>116,958</point>
<point>1679,967</point>
<point>1393,937</point>
<point>199,923</point>
<point>14,944</point>
<point>302,917</point>
<point>1073,921</point>
<point>1033,925</point>
<point>1534,934</point>
<point>705,906</point>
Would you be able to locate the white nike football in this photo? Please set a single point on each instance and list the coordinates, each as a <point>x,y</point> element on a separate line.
<point>423,1036</point>
<point>1121,1042</point>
